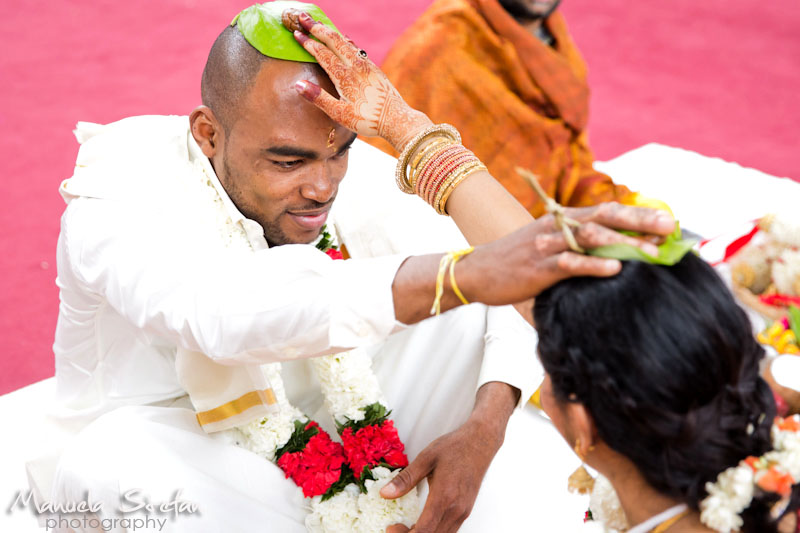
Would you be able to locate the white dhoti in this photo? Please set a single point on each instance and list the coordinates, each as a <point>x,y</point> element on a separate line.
<point>430,385</point>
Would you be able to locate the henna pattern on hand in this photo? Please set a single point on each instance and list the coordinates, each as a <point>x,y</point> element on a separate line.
<point>368,103</point>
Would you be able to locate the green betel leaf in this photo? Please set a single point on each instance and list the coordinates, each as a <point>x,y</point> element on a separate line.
<point>669,253</point>
<point>261,25</point>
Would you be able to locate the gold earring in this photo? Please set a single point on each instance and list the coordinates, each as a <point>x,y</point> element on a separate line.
<point>581,481</point>
<point>577,449</point>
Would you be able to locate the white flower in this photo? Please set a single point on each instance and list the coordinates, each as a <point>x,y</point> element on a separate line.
<point>786,453</point>
<point>786,272</point>
<point>377,513</point>
<point>727,498</point>
<point>605,505</point>
<point>266,435</point>
<point>351,511</point>
<point>338,514</point>
<point>718,516</point>
<point>784,228</point>
<point>348,383</point>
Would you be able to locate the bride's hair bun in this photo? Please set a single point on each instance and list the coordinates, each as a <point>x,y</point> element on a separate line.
<point>666,363</point>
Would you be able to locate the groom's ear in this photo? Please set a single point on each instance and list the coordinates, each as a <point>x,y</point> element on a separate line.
<point>206,130</point>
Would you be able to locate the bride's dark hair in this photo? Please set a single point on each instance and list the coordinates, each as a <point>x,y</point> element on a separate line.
<point>667,365</point>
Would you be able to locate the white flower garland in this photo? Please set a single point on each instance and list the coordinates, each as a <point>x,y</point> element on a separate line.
<point>734,488</point>
<point>349,386</point>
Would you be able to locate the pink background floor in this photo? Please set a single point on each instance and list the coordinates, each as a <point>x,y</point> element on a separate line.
<point>718,77</point>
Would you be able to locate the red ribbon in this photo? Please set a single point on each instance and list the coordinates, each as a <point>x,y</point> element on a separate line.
<point>780,300</point>
<point>736,245</point>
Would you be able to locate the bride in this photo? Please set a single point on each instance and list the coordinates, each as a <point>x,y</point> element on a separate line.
<point>653,377</point>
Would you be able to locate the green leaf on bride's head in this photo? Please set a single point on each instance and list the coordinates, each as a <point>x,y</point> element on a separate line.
<point>262,26</point>
<point>669,253</point>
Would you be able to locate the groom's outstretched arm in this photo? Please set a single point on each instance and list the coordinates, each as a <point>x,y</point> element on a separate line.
<point>456,462</point>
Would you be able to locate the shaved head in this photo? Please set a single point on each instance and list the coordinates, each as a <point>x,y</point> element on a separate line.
<point>231,67</point>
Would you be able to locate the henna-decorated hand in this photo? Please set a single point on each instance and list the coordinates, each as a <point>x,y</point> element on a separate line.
<point>368,103</point>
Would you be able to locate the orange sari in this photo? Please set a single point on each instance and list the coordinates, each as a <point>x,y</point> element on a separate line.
<point>515,100</point>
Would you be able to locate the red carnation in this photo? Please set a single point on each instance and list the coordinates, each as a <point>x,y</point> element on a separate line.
<point>334,254</point>
<point>372,445</point>
<point>317,467</point>
<point>289,462</point>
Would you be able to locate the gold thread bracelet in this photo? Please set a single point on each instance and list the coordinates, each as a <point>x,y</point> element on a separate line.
<point>453,284</point>
<point>450,258</point>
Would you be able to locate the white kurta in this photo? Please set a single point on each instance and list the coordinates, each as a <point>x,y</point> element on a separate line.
<point>143,271</point>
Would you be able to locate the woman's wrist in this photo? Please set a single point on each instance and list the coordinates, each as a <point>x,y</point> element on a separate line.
<point>419,122</point>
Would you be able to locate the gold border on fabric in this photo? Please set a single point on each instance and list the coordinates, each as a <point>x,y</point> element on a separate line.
<point>237,406</point>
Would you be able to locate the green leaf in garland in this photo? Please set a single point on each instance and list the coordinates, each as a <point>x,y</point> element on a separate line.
<point>669,253</point>
<point>345,479</point>
<point>375,414</point>
<point>263,28</point>
<point>794,320</point>
<point>297,442</point>
<point>325,242</point>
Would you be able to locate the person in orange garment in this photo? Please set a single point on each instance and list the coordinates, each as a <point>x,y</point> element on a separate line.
<point>507,74</point>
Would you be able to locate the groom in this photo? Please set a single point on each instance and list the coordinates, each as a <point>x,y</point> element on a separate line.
<point>144,271</point>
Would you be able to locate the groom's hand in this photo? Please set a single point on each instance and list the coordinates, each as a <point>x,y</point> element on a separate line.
<point>455,463</point>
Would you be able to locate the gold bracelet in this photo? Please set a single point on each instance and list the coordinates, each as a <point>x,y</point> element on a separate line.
<point>428,147</point>
<point>423,171</point>
<point>446,185</point>
<point>428,153</point>
<point>463,173</point>
<point>402,162</point>
<point>449,259</point>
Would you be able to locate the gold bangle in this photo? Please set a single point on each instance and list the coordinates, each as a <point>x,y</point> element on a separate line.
<point>428,147</point>
<point>422,169</point>
<point>456,172</point>
<point>460,175</point>
<point>402,162</point>
<point>428,153</point>
<point>449,259</point>
<point>446,165</point>
<point>442,205</point>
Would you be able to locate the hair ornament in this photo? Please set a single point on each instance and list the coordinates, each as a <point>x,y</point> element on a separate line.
<point>775,472</point>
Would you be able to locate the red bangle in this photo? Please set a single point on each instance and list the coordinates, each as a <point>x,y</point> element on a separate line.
<point>430,167</point>
<point>433,166</point>
<point>447,171</point>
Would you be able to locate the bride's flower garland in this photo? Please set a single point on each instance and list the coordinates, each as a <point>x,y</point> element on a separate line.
<point>342,480</point>
<point>777,471</point>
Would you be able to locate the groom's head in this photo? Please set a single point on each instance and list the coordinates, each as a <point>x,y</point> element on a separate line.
<point>279,158</point>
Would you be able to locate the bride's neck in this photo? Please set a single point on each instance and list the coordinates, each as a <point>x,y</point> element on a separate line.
<point>639,500</point>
